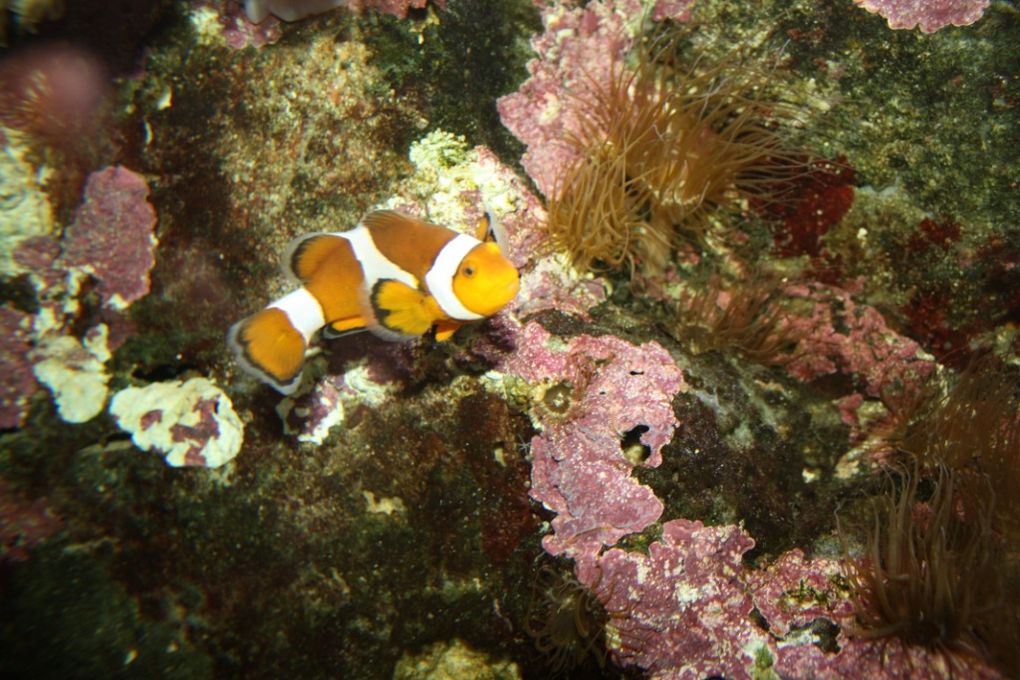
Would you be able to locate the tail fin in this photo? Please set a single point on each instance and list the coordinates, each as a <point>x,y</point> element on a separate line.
<point>269,347</point>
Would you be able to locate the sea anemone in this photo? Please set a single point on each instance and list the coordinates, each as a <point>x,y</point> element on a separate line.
<point>566,621</point>
<point>929,576</point>
<point>659,148</point>
<point>747,318</point>
<point>975,424</point>
<point>57,99</point>
<point>54,94</point>
<point>941,567</point>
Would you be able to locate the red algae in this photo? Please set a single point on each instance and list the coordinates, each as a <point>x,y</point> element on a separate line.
<point>815,203</point>
<point>934,234</point>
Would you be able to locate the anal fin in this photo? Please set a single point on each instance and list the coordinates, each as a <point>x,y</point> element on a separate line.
<point>342,327</point>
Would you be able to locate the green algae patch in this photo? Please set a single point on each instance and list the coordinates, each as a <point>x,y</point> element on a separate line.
<point>457,62</point>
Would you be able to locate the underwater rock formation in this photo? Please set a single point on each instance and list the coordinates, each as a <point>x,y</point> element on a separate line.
<point>256,23</point>
<point>671,448</point>
<point>229,21</point>
<point>74,371</point>
<point>24,524</point>
<point>26,211</point>
<point>839,336</point>
<point>107,252</point>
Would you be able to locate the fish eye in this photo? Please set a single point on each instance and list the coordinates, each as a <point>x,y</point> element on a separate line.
<point>468,271</point>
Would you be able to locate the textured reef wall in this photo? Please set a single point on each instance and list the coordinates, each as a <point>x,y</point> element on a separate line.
<point>709,459</point>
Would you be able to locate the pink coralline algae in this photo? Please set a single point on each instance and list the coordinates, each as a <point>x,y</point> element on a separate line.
<point>799,598</point>
<point>236,28</point>
<point>691,607</point>
<point>838,335</point>
<point>111,236</point>
<point>677,10</point>
<point>599,391</point>
<point>110,240</point>
<point>682,610</point>
<point>16,382</point>
<point>928,15</point>
<point>40,255</point>
<point>794,591</point>
<point>579,47</point>
<point>544,286</point>
<point>578,44</point>
<point>685,608</point>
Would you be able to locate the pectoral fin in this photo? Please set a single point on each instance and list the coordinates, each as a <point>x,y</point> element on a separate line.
<point>402,311</point>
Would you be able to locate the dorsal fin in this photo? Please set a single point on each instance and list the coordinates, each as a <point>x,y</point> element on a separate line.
<point>406,242</point>
<point>389,219</point>
<point>305,254</point>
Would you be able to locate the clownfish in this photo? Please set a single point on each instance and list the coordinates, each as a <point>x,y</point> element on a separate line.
<point>391,274</point>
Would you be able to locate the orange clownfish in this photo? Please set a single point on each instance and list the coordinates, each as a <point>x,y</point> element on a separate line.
<point>394,275</point>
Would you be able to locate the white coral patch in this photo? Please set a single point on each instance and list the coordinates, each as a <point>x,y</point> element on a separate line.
<point>361,388</point>
<point>319,411</point>
<point>191,423</point>
<point>75,374</point>
<point>438,150</point>
<point>321,429</point>
<point>314,411</point>
<point>24,209</point>
<point>206,22</point>
<point>686,594</point>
